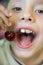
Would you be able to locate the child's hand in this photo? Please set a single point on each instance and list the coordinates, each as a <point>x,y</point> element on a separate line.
<point>4,15</point>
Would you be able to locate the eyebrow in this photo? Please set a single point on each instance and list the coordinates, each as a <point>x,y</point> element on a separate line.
<point>38,1</point>
<point>19,1</point>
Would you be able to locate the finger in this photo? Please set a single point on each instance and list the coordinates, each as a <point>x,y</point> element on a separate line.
<point>2,29</point>
<point>5,20</point>
<point>1,24</point>
<point>5,11</point>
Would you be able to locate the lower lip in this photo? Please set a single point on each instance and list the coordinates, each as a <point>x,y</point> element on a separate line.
<point>24,47</point>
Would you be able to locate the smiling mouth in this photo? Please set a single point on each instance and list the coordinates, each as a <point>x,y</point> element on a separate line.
<point>24,38</point>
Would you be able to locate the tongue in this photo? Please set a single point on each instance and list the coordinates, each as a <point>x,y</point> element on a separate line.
<point>25,42</point>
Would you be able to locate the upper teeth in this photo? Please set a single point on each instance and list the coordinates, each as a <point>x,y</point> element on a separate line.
<point>22,30</point>
<point>28,31</point>
<point>25,31</point>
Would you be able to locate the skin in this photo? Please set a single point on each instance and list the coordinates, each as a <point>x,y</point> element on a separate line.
<point>34,54</point>
<point>4,23</point>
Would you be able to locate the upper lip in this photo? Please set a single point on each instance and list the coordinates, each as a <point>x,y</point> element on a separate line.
<point>28,28</point>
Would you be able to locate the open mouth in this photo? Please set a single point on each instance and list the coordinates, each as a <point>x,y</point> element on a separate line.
<point>25,37</point>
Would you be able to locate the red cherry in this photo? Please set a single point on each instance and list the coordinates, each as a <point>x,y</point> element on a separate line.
<point>10,35</point>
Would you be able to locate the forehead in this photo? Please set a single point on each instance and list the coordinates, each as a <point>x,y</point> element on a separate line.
<point>24,2</point>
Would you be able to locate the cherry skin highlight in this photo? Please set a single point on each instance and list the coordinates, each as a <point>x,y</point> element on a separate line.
<point>10,35</point>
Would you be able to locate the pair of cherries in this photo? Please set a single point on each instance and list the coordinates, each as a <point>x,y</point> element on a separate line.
<point>10,35</point>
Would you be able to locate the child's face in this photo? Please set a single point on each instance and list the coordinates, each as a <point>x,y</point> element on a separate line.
<point>27,18</point>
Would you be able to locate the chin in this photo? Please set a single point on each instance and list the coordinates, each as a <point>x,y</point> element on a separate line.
<point>27,53</point>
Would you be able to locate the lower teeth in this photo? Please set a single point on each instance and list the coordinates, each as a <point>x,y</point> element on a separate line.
<point>21,35</point>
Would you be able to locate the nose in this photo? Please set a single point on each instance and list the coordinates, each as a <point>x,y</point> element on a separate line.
<point>28,16</point>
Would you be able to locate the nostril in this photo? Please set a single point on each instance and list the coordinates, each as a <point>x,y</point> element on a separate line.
<point>22,18</point>
<point>30,19</point>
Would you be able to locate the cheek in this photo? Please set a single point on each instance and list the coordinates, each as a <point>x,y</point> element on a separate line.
<point>39,18</point>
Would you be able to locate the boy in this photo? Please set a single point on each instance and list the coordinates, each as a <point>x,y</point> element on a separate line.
<point>27,23</point>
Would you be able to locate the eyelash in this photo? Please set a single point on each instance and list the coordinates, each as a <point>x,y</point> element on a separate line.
<point>39,11</point>
<point>17,9</point>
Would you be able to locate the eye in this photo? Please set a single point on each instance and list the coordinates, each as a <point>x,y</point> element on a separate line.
<point>39,11</point>
<point>17,9</point>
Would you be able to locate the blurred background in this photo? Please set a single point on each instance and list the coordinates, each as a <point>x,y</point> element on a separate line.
<point>4,2</point>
